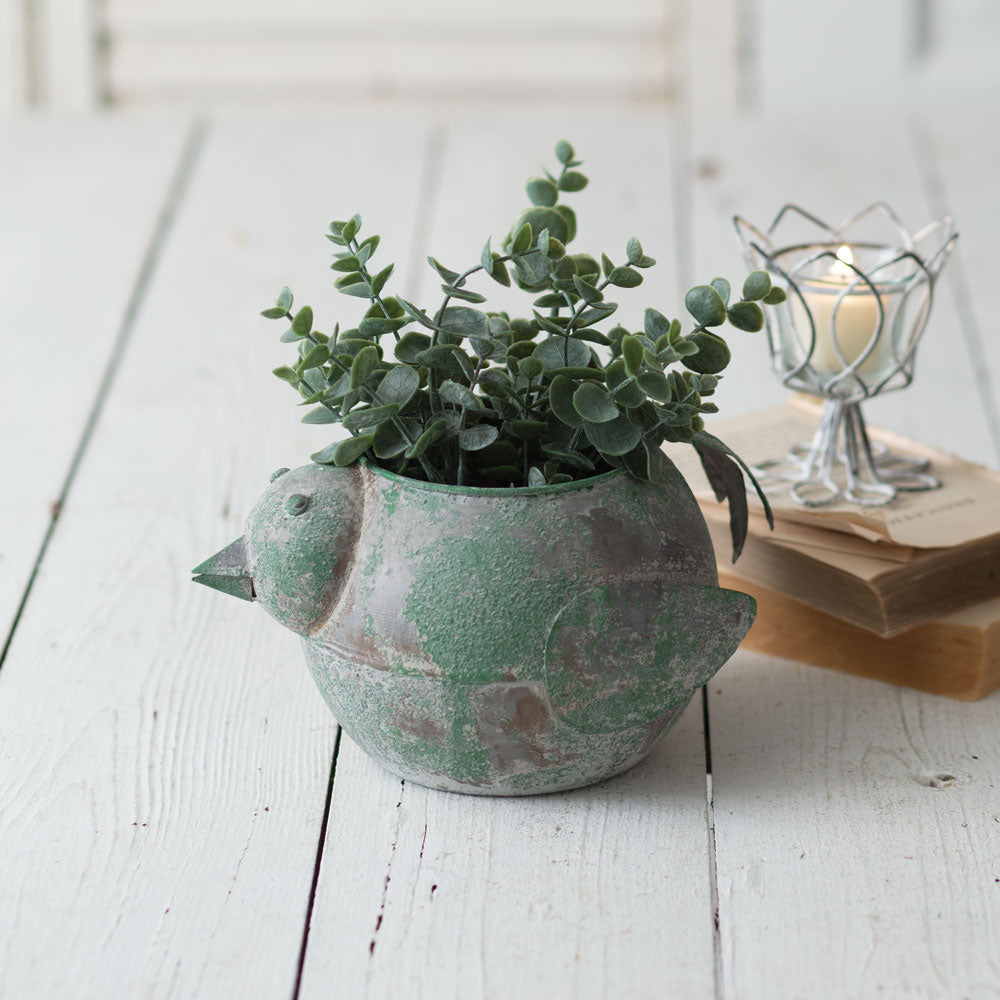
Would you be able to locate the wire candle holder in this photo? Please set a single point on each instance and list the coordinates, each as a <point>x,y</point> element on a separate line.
<point>848,330</point>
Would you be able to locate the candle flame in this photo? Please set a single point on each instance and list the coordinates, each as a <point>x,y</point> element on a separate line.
<point>841,267</point>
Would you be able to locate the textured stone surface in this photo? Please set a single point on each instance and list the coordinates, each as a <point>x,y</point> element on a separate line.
<point>495,641</point>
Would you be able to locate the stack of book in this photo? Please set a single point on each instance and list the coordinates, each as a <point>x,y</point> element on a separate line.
<point>907,593</point>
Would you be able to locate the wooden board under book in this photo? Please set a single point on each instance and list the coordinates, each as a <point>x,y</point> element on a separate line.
<point>957,655</point>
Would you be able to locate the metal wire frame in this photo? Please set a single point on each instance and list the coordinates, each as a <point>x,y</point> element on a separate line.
<point>841,462</point>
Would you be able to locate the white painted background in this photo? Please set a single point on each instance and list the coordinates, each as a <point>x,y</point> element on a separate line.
<point>701,54</point>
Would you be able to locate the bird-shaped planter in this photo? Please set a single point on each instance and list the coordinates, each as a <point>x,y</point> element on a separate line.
<point>492,641</point>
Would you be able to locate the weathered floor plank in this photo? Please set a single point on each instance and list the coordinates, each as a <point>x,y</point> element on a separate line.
<point>167,754</point>
<point>79,202</point>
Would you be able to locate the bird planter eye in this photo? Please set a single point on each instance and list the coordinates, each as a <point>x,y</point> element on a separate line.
<point>297,504</point>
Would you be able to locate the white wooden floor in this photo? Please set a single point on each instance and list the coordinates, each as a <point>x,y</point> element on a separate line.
<point>178,815</point>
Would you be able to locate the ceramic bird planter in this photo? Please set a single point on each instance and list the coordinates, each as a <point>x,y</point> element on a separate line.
<point>501,583</point>
<point>500,641</point>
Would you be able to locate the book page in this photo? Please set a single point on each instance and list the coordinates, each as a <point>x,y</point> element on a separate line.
<point>964,509</point>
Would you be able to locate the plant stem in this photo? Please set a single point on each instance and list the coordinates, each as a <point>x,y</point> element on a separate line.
<point>354,246</point>
<point>461,422</point>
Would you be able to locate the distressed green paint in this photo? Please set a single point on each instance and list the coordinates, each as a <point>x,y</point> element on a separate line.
<point>496,641</point>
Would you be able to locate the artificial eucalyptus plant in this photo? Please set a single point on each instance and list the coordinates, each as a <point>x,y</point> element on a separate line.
<point>473,397</point>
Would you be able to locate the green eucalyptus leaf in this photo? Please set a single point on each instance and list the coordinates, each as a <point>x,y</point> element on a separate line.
<point>435,430</point>
<point>319,355</point>
<point>633,250</point>
<point>757,285</point>
<point>290,336</point>
<point>363,365</point>
<point>465,322</point>
<point>656,324</point>
<point>441,357</point>
<point>596,314</point>
<point>303,321</point>
<point>536,477</point>
<point>463,293</point>
<point>572,180</point>
<point>722,287</point>
<point>353,284</point>
<point>376,326</point>
<point>530,367</point>
<point>321,415</point>
<point>625,277</point>
<point>527,430</point>
<point>568,456</point>
<point>623,386</point>
<point>446,274</point>
<point>458,395</point>
<point>418,314</point>
<point>560,352</point>
<point>613,437</point>
<point>564,152</point>
<point>713,353</point>
<point>656,385</point>
<point>518,350</point>
<point>399,385</point>
<point>592,337</point>
<point>587,291</point>
<point>366,249</point>
<point>775,296</point>
<point>499,273</point>
<point>378,282</point>
<point>594,404</point>
<point>349,263</point>
<point>370,416</point>
<point>350,228</point>
<point>522,240</point>
<point>561,400</point>
<point>486,258</point>
<point>542,191</point>
<point>747,316</point>
<point>390,441</point>
<point>410,345</point>
<point>706,305</point>
<point>478,437</point>
<point>632,354</point>
<point>568,217</point>
<point>345,452</point>
<point>573,371</point>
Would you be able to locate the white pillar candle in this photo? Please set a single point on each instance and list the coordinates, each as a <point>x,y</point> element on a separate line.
<point>855,323</point>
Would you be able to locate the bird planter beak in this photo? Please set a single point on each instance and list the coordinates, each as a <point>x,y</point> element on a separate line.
<point>227,571</point>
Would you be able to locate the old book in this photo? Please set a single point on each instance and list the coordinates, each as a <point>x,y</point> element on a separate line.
<point>885,569</point>
<point>957,655</point>
<point>884,596</point>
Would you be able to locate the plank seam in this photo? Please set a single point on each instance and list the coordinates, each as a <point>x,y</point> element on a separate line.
<point>934,185</point>
<point>176,190</point>
<point>320,847</point>
<point>713,868</point>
